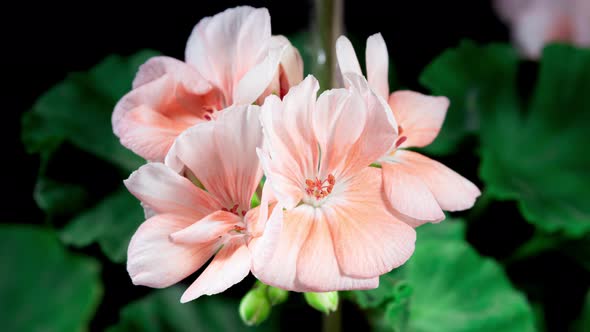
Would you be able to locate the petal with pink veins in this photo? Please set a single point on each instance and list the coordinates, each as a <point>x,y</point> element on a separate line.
<point>155,261</point>
<point>223,48</point>
<point>222,155</point>
<point>419,116</point>
<point>213,226</point>
<point>408,194</point>
<point>165,191</point>
<point>168,97</point>
<point>368,240</point>
<point>317,267</point>
<point>338,121</point>
<point>289,135</point>
<point>230,266</point>
<point>452,191</point>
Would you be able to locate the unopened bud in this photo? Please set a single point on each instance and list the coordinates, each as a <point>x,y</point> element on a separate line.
<point>324,302</point>
<point>254,307</point>
<point>277,295</point>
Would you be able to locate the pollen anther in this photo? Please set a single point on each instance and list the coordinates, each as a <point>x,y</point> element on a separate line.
<point>320,189</point>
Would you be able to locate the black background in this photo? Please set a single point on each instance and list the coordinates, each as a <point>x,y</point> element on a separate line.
<point>41,45</point>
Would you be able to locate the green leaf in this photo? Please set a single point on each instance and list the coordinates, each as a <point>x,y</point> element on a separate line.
<point>468,75</point>
<point>162,311</point>
<point>536,159</point>
<point>541,161</point>
<point>392,286</point>
<point>78,110</point>
<point>111,223</point>
<point>451,229</point>
<point>457,290</point>
<point>44,288</point>
<point>446,286</point>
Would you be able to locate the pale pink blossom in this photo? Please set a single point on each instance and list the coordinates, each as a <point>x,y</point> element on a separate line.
<point>202,211</point>
<point>534,23</point>
<point>417,187</point>
<point>231,59</point>
<point>336,232</point>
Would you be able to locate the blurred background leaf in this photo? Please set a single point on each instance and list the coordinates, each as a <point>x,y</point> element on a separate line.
<point>77,112</point>
<point>533,157</point>
<point>44,288</point>
<point>111,223</point>
<point>162,311</point>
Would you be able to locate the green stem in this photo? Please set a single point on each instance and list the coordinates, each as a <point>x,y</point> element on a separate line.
<point>333,322</point>
<point>328,26</point>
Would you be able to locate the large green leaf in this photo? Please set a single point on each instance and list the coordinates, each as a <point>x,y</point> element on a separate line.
<point>541,161</point>
<point>43,287</point>
<point>111,223</point>
<point>392,285</point>
<point>537,159</point>
<point>162,311</point>
<point>447,286</point>
<point>78,110</point>
<point>468,75</point>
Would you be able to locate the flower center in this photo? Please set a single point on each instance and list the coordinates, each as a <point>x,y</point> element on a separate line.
<point>235,210</point>
<point>319,189</point>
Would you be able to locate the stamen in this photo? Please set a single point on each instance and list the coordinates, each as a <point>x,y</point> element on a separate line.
<point>400,141</point>
<point>318,188</point>
<point>207,117</point>
<point>400,130</point>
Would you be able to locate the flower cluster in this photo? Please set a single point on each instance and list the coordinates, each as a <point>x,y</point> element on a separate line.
<point>341,195</point>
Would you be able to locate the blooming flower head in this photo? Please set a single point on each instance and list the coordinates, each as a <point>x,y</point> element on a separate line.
<point>417,187</point>
<point>231,59</point>
<point>204,210</point>
<point>534,23</point>
<point>336,232</point>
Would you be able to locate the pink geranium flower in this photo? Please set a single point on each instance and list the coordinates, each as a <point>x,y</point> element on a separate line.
<point>191,222</point>
<point>417,187</point>
<point>534,23</point>
<point>336,231</point>
<point>231,59</point>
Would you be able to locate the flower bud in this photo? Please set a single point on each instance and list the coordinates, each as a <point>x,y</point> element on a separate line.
<point>324,302</point>
<point>254,307</point>
<point>277,295</point>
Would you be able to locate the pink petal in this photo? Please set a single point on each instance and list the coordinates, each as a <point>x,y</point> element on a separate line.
<point>168,97</point>
<point>291,65</point>
<point>408,194</point>
<point>254,83</point>
<point>347,60</point>
<point>289,135</point>
<point>154,261</point>
<point>452,191</point>
<point>164,191</point>
<point>338,121</point>
<point>211,227</point>
<point>378,65</point>
<point>538,25</point>
<point>222,155</point>
<point>317,267</point>
<point>581,23</point>
<point>420,116</point>
<point>263,244</point>
<point>230,266</point>
<point>223,48</point>
<point>380,130</point>
<point>368,240</point>
<point>275,256</point>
